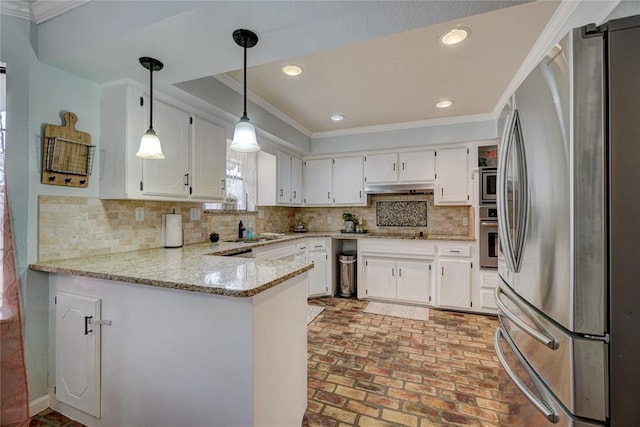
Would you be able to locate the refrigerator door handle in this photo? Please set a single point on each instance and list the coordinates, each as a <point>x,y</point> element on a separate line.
<point>541,406</point>
<point>540,336</point>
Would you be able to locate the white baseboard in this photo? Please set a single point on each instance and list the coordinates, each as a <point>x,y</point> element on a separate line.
<point>38,405</point>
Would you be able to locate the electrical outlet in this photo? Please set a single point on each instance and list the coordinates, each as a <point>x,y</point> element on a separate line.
<point>260,214</point>
<point>465,222</point>
<point>139,214</point>
<point>329,220</point>
<point>195,214</point>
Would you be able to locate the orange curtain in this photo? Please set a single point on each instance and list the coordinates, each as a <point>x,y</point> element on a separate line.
<point>14,399</point>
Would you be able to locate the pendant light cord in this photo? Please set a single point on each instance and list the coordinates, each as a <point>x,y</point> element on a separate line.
<point>244,113</point>
<point>151,98</point>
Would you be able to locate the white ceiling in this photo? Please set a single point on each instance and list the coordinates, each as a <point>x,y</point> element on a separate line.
<point>399,78</point>
<point>377,62</point>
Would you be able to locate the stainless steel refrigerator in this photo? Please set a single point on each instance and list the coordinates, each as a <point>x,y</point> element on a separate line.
<point>569,260</point>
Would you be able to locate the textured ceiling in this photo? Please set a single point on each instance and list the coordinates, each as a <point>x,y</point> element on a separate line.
<point>102,40</point>
<point>399,78</point>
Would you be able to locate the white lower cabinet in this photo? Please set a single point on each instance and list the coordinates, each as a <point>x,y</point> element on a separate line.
<point>77,352</point>
<point>454,287</point>
<point>406,280</point>
<point>414,281</point>
<point>488,283</point>
<point>320,275</point>
<point>379,277</point>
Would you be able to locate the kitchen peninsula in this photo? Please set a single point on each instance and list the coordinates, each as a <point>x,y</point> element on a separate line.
<point>178,337</point>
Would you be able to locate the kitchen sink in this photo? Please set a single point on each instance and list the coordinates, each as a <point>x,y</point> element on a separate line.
<point>246,240</point>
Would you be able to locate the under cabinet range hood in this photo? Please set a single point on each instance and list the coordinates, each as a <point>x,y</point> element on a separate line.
<point>398,188</point>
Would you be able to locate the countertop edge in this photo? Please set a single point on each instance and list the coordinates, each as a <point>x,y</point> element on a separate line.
<point>172,285</point>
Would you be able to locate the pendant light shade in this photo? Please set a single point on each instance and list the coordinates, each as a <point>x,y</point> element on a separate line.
<point>244,135</point>
<point>150,147</point>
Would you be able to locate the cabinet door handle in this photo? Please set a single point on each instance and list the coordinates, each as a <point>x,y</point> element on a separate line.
<point>394,165</point>
<point>281,193</point>
<point>186,179</point>
<point>399,272</point>
<point>393,273</point>
<point>443,271</point>
<point>454,251</point>
<point>294,194</point>
<point>328,195</point>
<point>224,186</point>
<point>402,165</point>
<point>360,194</point>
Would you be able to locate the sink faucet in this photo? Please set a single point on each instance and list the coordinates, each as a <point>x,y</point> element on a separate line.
<point>240,230</point>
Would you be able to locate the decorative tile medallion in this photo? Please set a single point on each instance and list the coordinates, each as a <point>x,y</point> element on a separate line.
<point>401,213</point>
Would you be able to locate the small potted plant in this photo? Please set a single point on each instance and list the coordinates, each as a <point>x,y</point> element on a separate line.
<point>350,221</point>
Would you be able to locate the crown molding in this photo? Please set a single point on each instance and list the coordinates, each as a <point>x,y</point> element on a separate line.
<point>443,121</point>
<point>256,99</point>
<point>38,11</point>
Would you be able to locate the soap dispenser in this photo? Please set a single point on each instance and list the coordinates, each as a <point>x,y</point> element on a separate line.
<point>250,231</point>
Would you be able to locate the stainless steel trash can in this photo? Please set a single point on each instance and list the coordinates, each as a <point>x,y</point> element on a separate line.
<point>347,273</point>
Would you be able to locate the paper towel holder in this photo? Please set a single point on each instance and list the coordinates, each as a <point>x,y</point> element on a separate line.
<point>172,232</point>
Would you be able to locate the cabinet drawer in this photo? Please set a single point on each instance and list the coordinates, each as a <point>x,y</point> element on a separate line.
<point>317,245</point>
<point>455,251</point>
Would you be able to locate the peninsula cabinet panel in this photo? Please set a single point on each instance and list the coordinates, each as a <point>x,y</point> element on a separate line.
<point>77,352</point>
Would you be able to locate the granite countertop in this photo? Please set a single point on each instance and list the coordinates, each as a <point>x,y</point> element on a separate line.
<point>203,267</point>
<point>191,268</point>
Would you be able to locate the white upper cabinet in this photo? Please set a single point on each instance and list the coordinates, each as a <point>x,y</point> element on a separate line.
<point>289,171</point>
<point>348,181</point>
<point>296,181</point>
<point>381,168</point>
<point>208,159</point>
<point>284,178</point>
<point>417,166</point>
<point>318,174</point>
<point>402,167</point>
<point>168,177</point>
<point>452,184</point>
<point>189,159</point>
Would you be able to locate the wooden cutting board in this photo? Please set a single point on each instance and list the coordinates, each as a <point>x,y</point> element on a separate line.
<point>67,154</point>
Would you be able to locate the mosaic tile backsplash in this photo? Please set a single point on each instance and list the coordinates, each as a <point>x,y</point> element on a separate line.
<point>401,214</point>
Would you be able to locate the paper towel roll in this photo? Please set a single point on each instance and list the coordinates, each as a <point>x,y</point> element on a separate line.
<point>172,230</point>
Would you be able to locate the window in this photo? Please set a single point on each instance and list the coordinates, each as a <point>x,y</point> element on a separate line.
<point>241,182</point>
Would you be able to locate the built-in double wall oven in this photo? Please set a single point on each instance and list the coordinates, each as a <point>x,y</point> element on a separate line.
<point>489,237</point>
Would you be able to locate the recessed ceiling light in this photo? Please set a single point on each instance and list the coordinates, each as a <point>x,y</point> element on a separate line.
<point>455,35</point>
<point>444,104</point>
<point>292,70</point>
<point>337,117</point>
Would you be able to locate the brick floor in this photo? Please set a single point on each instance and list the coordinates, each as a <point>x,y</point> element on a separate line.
<point>372,370</point>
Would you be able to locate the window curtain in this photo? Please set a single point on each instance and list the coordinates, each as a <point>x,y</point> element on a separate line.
<point>14,400</point>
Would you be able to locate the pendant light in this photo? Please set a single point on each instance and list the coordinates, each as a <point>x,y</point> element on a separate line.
<point>150,143</point>
<point>244,135</point>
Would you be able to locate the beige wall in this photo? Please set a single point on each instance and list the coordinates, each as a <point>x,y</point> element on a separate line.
<point>70,227</point>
